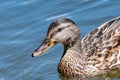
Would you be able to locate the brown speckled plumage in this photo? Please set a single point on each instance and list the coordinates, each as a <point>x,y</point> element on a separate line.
<point>96,53</point>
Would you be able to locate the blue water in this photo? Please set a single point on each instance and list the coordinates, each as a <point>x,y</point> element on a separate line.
<point>23,27</point>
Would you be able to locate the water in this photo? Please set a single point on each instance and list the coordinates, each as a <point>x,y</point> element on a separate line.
<point>23,26</point>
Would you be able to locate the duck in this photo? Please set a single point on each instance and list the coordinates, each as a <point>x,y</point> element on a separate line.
<point>92,55</point>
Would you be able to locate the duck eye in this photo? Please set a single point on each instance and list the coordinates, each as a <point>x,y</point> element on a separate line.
<point>60,29</point>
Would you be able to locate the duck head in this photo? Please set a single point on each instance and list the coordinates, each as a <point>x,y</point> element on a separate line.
<point>62,31</point>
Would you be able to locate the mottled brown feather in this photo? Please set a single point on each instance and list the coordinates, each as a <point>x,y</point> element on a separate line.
<point>103,44</point>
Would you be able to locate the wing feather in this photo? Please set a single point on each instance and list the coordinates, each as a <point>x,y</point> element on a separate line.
<point>103,40</point>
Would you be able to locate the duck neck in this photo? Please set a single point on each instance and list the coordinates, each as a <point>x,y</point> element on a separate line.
<point>73,59</point>
<point>75,49</point>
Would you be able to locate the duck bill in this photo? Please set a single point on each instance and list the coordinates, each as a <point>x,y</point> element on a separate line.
<point>47,44</point>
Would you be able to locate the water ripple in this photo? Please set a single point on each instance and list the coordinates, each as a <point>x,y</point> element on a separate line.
<point>58,16</point>
<point>23,27</point>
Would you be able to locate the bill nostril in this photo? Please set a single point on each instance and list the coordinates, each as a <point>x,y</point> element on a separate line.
<point>48,44</point>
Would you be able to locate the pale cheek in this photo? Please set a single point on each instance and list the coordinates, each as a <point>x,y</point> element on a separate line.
<point>58,38</point>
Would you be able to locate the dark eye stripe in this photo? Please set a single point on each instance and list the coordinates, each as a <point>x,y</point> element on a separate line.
<point>54,33</point>
<point>59,30</point>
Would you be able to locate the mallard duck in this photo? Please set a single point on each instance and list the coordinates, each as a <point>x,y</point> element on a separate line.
<point>97,52</point>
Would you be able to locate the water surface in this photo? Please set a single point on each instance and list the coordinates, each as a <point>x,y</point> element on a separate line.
<point>24,24</point>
